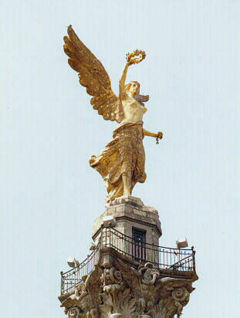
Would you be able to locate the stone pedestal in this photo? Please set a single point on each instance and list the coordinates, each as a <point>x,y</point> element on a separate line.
<point>128,214</point>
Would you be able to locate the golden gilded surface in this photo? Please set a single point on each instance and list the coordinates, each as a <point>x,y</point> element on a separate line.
<point>122,163</point>
<point>93,76</point>
<point>135,57</point>
<point>123,156</point>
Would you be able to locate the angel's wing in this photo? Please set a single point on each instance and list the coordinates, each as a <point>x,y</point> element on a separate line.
<point>93,76</point>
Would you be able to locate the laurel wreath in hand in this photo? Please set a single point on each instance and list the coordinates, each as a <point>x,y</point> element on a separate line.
<point>135,57</point>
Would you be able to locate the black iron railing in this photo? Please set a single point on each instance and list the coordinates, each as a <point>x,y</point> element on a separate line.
<point>74,276</point>
<point>166,259</point>
<point>159,256</point>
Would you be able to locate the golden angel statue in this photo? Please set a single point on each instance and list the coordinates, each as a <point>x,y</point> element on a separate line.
<point>122,163</point>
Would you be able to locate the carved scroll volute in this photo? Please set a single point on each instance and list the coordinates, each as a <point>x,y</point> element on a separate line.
<point>181,298</point>
<point>149,274</point>
<point>73,312</point>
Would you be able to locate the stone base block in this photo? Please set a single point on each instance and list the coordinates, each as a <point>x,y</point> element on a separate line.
<point>127,213</point>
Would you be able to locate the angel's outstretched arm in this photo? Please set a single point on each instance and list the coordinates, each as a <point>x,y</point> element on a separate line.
<point>123,79</point>
<point>150,134</point>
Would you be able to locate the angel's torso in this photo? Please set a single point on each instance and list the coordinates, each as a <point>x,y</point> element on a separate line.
<point>133,110</point>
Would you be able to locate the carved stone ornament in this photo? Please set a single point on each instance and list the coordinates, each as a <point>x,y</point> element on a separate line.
<point>118,289</point>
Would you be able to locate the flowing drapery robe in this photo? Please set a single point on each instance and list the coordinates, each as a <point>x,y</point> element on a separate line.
<point>124,155</point>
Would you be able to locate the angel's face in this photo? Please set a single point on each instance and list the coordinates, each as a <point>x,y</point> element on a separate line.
<point>133,88</point>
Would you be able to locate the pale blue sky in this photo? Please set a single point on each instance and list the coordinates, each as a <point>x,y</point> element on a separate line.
<point>49,194</point>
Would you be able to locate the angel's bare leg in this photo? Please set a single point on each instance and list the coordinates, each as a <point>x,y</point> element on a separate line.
<point>126,185</point>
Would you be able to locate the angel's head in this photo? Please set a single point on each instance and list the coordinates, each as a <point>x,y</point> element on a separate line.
<point>133,88</point>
